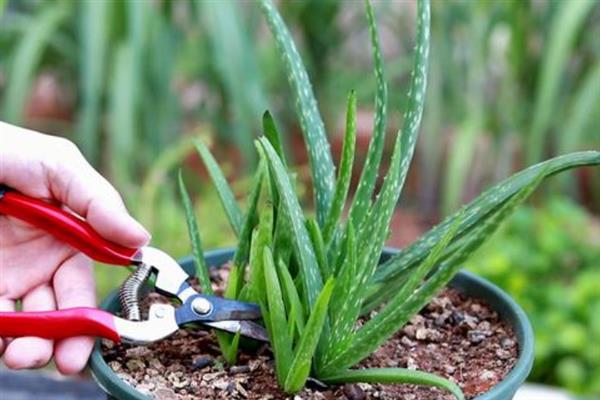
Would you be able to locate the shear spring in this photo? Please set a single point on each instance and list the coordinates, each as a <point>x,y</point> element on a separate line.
<point>129,293</point>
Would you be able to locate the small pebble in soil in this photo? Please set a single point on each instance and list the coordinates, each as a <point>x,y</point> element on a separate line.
<point>201,362</point>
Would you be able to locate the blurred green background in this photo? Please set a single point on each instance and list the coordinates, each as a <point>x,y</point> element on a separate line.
<point>511,82</point>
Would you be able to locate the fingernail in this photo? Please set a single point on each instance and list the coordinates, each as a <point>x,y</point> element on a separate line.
<point>143,231</point>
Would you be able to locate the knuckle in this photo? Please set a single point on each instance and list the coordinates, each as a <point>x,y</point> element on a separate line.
<point>66,148</point>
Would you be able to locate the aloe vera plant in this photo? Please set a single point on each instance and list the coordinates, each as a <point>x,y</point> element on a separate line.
<point>315,277</point>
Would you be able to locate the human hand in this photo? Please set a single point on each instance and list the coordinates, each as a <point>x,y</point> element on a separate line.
<point>35,268</point>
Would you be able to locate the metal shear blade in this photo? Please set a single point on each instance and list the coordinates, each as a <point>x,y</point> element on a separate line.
<point>245,328</point>
<point>217,312</point>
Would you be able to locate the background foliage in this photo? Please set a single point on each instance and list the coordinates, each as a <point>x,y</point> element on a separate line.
<point>510,82</point>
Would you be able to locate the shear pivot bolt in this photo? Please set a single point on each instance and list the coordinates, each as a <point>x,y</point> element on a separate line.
<point>159,312</point>
<point>201,306</point>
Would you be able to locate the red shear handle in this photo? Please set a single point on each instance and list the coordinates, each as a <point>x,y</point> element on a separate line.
<point>62,324</point>
<point>65,226</point>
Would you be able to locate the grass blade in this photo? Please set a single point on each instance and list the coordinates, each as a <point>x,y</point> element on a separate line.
<point>232,209</point>
<point>280,340</point>
<point>201,267</point>
<point>305,350</point>
<point>305,254</point>
<point>122,120</point>
<point>227,345</point>
<point>94,17</point>
<point>233,56</point>
<point>567,21</point>
<point>585,107</point>
<point>322,168</point>
<point>27,56</point>
<point>394,375</point>
<point>345,171</point>
<point>368,177</point>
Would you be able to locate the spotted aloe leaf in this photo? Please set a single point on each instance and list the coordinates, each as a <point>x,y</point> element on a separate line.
<point>322,168</point>
<point>405,143</point>
<point>281,341</point>
<point>309,340</point>
<point>345,171</point>
<point>340,328</point>
<point>394,315</point>
<point>368,177</point>
<point>310,273</point>
<point>473,214</point>
<point>375,228</point>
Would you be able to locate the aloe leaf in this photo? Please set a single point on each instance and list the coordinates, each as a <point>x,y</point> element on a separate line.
<point>232,209</point>
<point>261,239</point>
<point>342,293</point>
<point>309,340</point>
<point>370,242</point>
<point>280,340</point>
<point>296,311</point>
<point>585,107</point>
<point>230,352</point>
<point>416,93</point>
<point>397,301</point>
<point>242,253</point>
<point>26,59</point>
<point>406,139</point>
<point>201,267</point>
<point>567,21</point>
<point>251,217</point>
<point>272,133</point>
<point>319,246</point>
<point>394,375</point>
<point>345,171</point>
<point>322,168</point>
<point>382,326</point>
<point>226,344</point>
<point>478,209</point>
<point>368,177</point>
<point>309,267</point>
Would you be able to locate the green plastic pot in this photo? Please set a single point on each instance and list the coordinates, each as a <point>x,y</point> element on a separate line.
<point>466,282</point>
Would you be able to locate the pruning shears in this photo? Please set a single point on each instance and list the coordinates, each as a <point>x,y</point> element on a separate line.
<point>170,280</point>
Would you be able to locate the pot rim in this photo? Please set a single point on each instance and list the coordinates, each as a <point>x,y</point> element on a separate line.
<point>466,281</point>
